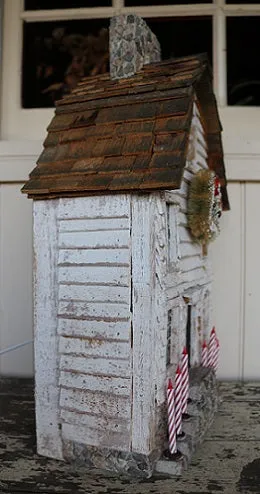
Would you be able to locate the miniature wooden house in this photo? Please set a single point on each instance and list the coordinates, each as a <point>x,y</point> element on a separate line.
<point>118,277</point>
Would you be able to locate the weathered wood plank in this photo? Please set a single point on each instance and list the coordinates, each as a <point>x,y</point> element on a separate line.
<point>105,384</point>
<point>190,263</point>
<point>94,347</point>
<point>95,403</point>
<point>93,256</point>
<point>96,422</point>
<point>49,441</point>
<point>190,249</point>
<point>104,206</point>
<point>96,366</point>
<point>193,166</point>
<point>117,330</point>
<point>184,234</point>
<point>95,293</point>
<point>159,302</point>
<point>98,274</point>
<point>143,337</point>
<point>195,276</point>
<point>94,224</point>
<point>182,219</point>
<point>96,310</point>
<point>200,149</point>
<point>90,240</point>
<point>188,174</point>
<point>93,437</point>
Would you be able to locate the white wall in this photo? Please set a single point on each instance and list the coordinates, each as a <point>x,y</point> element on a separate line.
<point>16,257</point>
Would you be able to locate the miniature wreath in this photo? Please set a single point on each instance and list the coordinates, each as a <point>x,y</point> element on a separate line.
<point>204,207</point>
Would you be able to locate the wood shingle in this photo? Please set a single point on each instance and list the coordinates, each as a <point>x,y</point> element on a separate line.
<point>129,134</point>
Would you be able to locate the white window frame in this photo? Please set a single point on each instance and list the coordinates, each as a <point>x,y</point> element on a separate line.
<point>18,123</point>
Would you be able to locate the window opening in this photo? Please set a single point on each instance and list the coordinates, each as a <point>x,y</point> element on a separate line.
<point>188,333</point>
<point>169,338</point>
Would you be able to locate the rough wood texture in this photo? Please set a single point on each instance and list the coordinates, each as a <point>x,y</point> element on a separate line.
<point>226,462</point>
<point>83,310</point>
<point>49,442</point>
<point>128,135</point>
<point>143,330</point>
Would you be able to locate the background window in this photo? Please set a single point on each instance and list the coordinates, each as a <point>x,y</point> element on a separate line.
<point>180,36</point>
<point>243,64</point>
<point>56,55</point>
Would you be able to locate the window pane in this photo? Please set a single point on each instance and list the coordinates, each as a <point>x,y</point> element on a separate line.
<point>57,54</point>
<point>243,67</point>
<point>64,4</point>
<point>181,36</point>
<point>136,3</point>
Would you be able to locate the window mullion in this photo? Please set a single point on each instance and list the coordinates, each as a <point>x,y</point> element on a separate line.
<point>118,5</point>
<point>67,14</point>
<point>172,10</point>
<point>220,54</point>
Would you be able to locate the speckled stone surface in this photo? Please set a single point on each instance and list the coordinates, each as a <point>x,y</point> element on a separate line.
<point>132,45</point>
<point>227,462</point>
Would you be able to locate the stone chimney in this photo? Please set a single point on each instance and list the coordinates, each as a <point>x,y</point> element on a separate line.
<point>132,45</point>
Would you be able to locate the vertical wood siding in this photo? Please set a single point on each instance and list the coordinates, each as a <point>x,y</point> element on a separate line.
<point>49,442</point>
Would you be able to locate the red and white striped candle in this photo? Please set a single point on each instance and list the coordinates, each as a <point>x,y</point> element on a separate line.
<point>178,401</point>
<point>171,419</point>
<point>185,379</point>
<point>216,355</point>
<point>211,350</point>
<point>204,354</point>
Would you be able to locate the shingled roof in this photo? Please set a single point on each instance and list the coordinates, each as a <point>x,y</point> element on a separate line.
<point>131,134</point>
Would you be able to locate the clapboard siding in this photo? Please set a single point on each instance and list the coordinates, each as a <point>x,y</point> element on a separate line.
<point>117,330</point>
<point>94,239</point>
<point>94,224</point>
<point>93,293</point>
<point>95,208</point>
<point>94,319</point>
<point>72,257</point>
<point>96,366</point>
<point>94,347</point>
<point>84,401</point>
<point>94,437</point>
<point>99,310</point>
<point>192,272</point>
<point>93,422</point>
<point>105,384</point>
<point>103,275</point>
<point>192,267</point>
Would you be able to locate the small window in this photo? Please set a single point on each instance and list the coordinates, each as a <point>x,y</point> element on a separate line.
<point>188,332</point>
<point>169,338</point>
<point>172,234</point>
<point>243,68</point>
<point>56,55</point>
